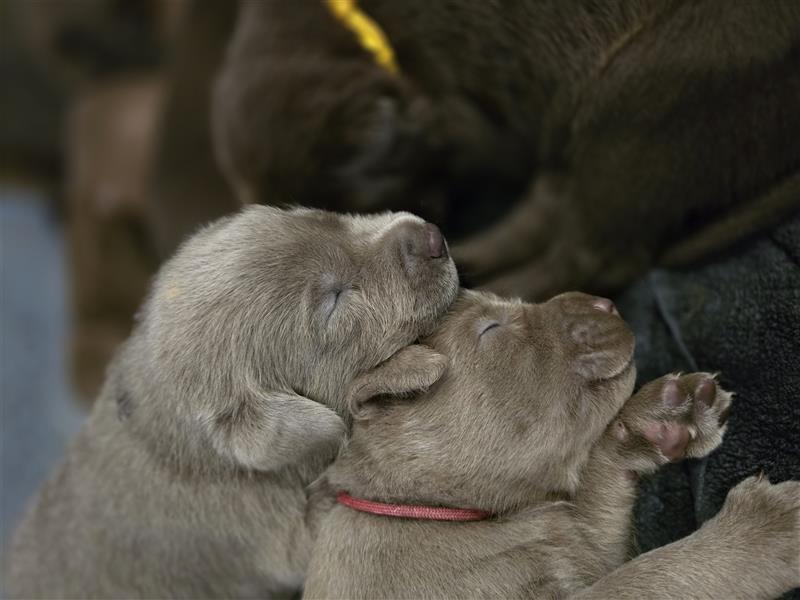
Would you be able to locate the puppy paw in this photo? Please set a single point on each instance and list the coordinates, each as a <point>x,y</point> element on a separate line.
<point>671,418</point>
<point>766,518</point>
<point>756,497</point>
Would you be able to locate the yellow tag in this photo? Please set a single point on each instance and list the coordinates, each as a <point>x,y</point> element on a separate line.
<point>369,33</point>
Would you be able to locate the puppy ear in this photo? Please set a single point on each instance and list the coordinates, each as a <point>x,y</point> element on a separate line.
<point>412,369</point>
<point>267,431</point>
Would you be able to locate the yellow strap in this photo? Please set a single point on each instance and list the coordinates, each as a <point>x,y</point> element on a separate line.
<point>369,33</point>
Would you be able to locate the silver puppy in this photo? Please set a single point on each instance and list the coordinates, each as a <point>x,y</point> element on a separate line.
<point>533,426</point>
<point>188,480</point>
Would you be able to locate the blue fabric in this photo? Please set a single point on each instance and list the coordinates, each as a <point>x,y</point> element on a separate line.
<point>38,414</point>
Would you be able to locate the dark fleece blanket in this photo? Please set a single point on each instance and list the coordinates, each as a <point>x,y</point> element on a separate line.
<point>738,314</point>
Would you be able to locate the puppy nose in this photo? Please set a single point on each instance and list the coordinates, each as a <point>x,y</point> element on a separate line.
<point>422,241</point>
<point>605,305</point>
<point>435,241</point>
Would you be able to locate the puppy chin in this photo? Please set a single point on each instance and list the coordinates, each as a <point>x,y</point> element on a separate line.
<point>624,373</point>
<point>621,385</point>
<point>628,377</point>
<point>434,301</point>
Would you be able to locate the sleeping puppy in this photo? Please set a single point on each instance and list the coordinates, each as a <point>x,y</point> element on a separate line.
<point>532,436</point>
<point>608,137</point>
<point>189,477</point>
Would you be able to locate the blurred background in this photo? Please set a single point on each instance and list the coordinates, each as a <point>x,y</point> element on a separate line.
<point>86,85</point>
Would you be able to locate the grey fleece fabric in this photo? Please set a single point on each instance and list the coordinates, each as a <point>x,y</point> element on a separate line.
<point>738,314</point>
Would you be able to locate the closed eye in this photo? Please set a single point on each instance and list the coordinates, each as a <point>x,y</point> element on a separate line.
<point>488,327</point>
<point>331,302</point>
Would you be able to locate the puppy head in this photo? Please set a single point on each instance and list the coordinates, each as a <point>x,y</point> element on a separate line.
<point>529,389</point>
<point>288,302</point>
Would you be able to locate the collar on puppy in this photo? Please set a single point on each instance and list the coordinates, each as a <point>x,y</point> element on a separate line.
<point>411,511</point>
<point>368,32</point>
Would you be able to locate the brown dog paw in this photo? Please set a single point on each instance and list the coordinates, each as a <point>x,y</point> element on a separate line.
<point>671,418</point>
<point>765,518</point>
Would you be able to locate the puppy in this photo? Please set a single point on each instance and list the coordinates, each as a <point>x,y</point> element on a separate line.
<point>610,137</point>
<point>189,477</point>
<point>532,435</point>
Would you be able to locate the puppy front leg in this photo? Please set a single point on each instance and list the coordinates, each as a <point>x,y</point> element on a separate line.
<point>604,503</point>
<point>271,430</point>
<point>668,419</point>
<point>525,233</point>
<point>547,245</point>
<point>749,550</point>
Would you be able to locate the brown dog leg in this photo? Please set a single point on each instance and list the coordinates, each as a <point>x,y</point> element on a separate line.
<point>749,550</point>
<point>668,419</point>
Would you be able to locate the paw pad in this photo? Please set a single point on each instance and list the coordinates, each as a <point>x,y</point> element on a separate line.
<point>680,416</point>
<point>670,438</point>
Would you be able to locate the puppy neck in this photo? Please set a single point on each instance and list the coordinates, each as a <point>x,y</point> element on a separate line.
<point>411,511</point>
<point>377,470</point>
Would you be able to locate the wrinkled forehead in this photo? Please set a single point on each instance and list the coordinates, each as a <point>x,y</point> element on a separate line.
<point>290,250</point>
<point>471,305</point>
<point>310,229</point>
<point>371,229</point>
<point>470,310</point>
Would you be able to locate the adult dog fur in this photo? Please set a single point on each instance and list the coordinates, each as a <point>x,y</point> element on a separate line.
<point>189,477</point>
<point>533,422</point>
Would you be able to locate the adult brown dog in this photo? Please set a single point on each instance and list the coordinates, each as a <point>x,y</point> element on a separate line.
<point>623,134</point>
<point>533,422</point>
<point>189,477</point>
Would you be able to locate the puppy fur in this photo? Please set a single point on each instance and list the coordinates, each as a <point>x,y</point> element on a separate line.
<point>533,422</point>
<point>188,480</point>
<point>610,136</point>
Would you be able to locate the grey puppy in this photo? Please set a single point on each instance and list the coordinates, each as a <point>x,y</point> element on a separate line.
<point>534,423</point>
<point>188,480</point>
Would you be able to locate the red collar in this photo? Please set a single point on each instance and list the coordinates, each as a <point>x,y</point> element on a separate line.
<point>411,511</point>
